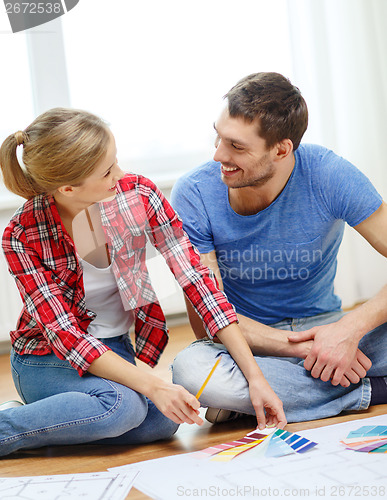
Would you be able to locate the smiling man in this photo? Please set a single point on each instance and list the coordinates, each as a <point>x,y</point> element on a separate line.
<point>268,215</point>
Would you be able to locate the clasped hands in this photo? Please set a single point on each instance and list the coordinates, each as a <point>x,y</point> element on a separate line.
<point>333,355</point>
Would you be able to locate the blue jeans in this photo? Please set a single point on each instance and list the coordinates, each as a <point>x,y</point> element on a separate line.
<point>303,397</point>
<point>63,408</point>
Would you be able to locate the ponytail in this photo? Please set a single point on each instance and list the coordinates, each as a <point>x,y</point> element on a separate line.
<point>14,169</point>
<point>60,147</point>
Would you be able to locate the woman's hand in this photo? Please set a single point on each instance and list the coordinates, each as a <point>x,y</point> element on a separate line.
<point>176,403</point>
<point>267,405</point>
<point>172,400</point>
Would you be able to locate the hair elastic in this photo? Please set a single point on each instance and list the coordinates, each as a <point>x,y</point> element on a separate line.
<point>19,156</point>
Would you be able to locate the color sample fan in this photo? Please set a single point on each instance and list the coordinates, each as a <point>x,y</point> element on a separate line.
<point>369,439</point>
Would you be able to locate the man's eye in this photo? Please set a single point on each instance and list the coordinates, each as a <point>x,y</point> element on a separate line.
<point>217,140</point>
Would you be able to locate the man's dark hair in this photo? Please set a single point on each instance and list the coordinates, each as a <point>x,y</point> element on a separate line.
<point>277,104</point>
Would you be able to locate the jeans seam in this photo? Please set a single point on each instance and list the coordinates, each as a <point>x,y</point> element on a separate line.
<point>68,424</point>
<point>26,362</point>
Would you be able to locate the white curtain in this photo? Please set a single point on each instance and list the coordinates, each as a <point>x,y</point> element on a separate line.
<point>339,52</point>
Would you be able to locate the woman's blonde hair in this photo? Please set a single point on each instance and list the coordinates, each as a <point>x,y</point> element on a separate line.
<point>60,147</point>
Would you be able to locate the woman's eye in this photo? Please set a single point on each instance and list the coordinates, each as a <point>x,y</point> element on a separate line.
<point>107,173</point>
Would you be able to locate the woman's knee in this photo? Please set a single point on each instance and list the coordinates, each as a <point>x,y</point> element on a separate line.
<point>124,409</point>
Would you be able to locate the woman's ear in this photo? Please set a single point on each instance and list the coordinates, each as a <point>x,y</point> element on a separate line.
<point>66,190</point>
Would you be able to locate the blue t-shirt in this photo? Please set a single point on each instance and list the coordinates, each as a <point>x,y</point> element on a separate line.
<point>281,262</point>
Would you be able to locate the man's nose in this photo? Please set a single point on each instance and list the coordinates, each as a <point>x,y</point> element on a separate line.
<point>221,153</point>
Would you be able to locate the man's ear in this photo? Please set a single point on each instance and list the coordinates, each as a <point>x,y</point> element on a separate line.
<point>66,191</point>
<point>283,149</point>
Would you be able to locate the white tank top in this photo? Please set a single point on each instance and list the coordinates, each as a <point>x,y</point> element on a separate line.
<point>103,297</point>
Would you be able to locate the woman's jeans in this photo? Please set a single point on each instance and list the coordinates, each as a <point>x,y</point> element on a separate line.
<point>303,397</point>
<point>64,409</point>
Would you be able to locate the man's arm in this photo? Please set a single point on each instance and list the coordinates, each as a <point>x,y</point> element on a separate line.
<point>335,345</point>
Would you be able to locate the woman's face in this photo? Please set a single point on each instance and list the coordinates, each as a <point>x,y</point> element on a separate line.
<point>101,184</point>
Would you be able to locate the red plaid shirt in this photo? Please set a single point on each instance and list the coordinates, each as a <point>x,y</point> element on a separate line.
<point>42,258</point>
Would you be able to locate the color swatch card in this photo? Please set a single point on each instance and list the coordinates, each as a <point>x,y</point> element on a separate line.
<point>368,439</point>
<point>270,442</point>
<point>297,443</point>
<point>251,439</point>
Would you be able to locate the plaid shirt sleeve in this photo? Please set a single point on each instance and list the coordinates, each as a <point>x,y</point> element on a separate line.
<point>197,281</point>
<point>46,307</point>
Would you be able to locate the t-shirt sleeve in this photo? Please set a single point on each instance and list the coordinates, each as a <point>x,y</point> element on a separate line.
<point>187,201</point>
<point>347,192</point>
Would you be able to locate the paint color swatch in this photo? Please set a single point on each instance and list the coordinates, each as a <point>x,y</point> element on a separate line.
<point>213,450</point>
<point>270,443</point>
<point>227,455</point>
<point>368,439</point>
<point>297,443</point>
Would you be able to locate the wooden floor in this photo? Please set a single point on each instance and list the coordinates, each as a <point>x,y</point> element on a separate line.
<point>88,458</point>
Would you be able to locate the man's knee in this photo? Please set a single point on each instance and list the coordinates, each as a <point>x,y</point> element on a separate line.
<point>183,370</point>
<point>192,365</point>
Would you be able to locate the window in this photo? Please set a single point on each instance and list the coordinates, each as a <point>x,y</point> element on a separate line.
<point>15,87</point>
<point>156,71</point>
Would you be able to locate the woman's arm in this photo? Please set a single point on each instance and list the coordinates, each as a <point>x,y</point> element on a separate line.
<point>172,400</point>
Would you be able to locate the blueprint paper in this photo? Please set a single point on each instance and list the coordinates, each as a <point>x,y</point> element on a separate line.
<point>89,486</point>
<point>326,471</point>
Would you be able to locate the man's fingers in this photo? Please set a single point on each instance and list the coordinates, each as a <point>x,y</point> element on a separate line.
<point>310,361</point>
<point>301,336</point>
<point>364,361</point>
<point>325,373</point>
<point>337,377</point>
<point>318,368</point>
<point>344,382</point>
<point>352,376</point>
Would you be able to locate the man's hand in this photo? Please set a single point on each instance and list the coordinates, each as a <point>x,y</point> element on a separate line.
<point>334,354</point>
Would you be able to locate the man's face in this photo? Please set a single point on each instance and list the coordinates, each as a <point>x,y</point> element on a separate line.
<point>244,156</point>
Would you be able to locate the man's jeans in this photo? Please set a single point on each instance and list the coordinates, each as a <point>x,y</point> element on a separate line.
<point>63,408</point>
<point>303,397</point>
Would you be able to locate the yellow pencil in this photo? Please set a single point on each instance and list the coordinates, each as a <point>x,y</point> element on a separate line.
<point>208,378</point>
